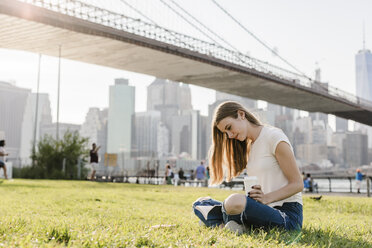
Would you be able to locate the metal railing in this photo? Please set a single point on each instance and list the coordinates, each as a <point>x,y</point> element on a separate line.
<point>139,27</point>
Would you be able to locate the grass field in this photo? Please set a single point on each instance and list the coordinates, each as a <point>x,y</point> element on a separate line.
<point>43,213</point>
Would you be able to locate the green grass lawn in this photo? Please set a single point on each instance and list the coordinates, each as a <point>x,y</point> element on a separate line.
<point>43,213</point>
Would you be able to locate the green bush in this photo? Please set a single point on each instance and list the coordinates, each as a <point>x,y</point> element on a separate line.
<point>31,172</point>
<point>57,159</point>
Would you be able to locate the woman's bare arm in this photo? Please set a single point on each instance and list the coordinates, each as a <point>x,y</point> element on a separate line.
<point>287,163</point>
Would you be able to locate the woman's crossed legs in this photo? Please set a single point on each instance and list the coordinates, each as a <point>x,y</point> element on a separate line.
<point>252,214</point>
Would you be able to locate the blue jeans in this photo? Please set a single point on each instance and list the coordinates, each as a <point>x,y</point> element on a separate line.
<point>255,215</point>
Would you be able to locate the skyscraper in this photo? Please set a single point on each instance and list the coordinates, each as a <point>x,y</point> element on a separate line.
<point>355,149</point>
<point>95,128</point>
<point>169,98</point>
<point>63,128</point>
<point>120,114</point>
<point>146,133</point>
<point>363,76</point>
<point>94,122</point>
<point>283,118</point>
<point>184,98</point>
<point>341,124</point>
<point>13,102</point>
<point>17,120</point>
<point>163,140</point>
<point>363,73</point>
<point>187,135</point>
<point>29,131</point>
<point>44,113</point>
<point>163,94</point>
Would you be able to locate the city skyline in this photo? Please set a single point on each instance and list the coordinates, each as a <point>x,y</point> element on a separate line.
<point>170,128</point>
<point>90,82</point>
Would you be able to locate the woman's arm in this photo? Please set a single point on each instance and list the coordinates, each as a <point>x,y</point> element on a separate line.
<point>287,163</point>
<point>97,148</point>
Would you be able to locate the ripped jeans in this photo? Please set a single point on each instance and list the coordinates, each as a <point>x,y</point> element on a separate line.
<point>255,215</point>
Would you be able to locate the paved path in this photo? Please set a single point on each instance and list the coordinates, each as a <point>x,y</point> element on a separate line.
<point>335,194</point>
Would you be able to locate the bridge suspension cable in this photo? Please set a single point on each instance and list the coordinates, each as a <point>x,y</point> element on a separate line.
<point>201,31</point>
<point>238,53</point>
<point>138,12</point>
<point>206,27</point>
<point>258,39</point>
<point>186,20</point>
<point>152,21</point>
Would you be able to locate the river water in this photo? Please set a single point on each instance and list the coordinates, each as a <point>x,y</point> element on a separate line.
<point>340,185</point>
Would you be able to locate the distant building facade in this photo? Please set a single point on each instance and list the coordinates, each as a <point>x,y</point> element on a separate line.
<point>341,124</point>
<point>43,118</point>
<point>51,129</point>
<point>14,106</point>
<point>283,118</point>
<point>169,98</point>
<point>338,144</point>
<point>187,135</point>
<point>355,149</point>
<point>95,129</point>
<point>363,73</point>
<point>145,141</point>
<point>163,140</point>
<point>94,122</point>
<point>312,153</point>
<point>120,114</point>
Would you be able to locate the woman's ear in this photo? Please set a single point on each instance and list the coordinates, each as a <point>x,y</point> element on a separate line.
<point>241,114</point>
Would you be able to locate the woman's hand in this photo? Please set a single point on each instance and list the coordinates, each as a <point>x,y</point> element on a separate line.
<point>257,194</point>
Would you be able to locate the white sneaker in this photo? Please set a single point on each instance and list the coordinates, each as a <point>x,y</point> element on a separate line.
<point>234,227</point>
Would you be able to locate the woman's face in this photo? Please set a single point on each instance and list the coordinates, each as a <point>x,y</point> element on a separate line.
<point>234,128</point>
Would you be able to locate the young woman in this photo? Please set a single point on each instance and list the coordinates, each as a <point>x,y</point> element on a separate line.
<point>241,142</point>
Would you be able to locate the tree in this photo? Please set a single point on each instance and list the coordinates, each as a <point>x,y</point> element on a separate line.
<point>58,159</point>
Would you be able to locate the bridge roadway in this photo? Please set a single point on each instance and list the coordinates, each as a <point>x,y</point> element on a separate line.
<point>35,29</point>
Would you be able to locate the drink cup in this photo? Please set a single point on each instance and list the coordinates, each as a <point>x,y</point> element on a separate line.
<point>249,182</point>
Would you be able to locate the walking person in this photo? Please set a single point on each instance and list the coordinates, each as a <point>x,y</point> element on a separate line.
<point>3,155</point>
<point>241,142</point>
<point>168,174</point>
<point>94,160</point>
<point>358,180</point>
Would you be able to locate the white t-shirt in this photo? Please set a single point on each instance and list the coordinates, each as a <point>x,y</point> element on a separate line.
<point>2,150</point>
<point>169,172</point>
<point>262,163</point>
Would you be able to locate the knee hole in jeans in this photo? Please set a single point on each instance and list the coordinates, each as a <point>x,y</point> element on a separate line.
<point>235,204</point>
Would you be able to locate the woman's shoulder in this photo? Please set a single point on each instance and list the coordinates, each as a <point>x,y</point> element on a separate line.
<point>274,134</point>
<point>272,130</point>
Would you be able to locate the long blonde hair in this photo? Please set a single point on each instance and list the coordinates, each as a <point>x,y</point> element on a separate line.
<point>229,153</point>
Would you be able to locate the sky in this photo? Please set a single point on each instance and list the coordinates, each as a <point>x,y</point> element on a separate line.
<point>308,34</point>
